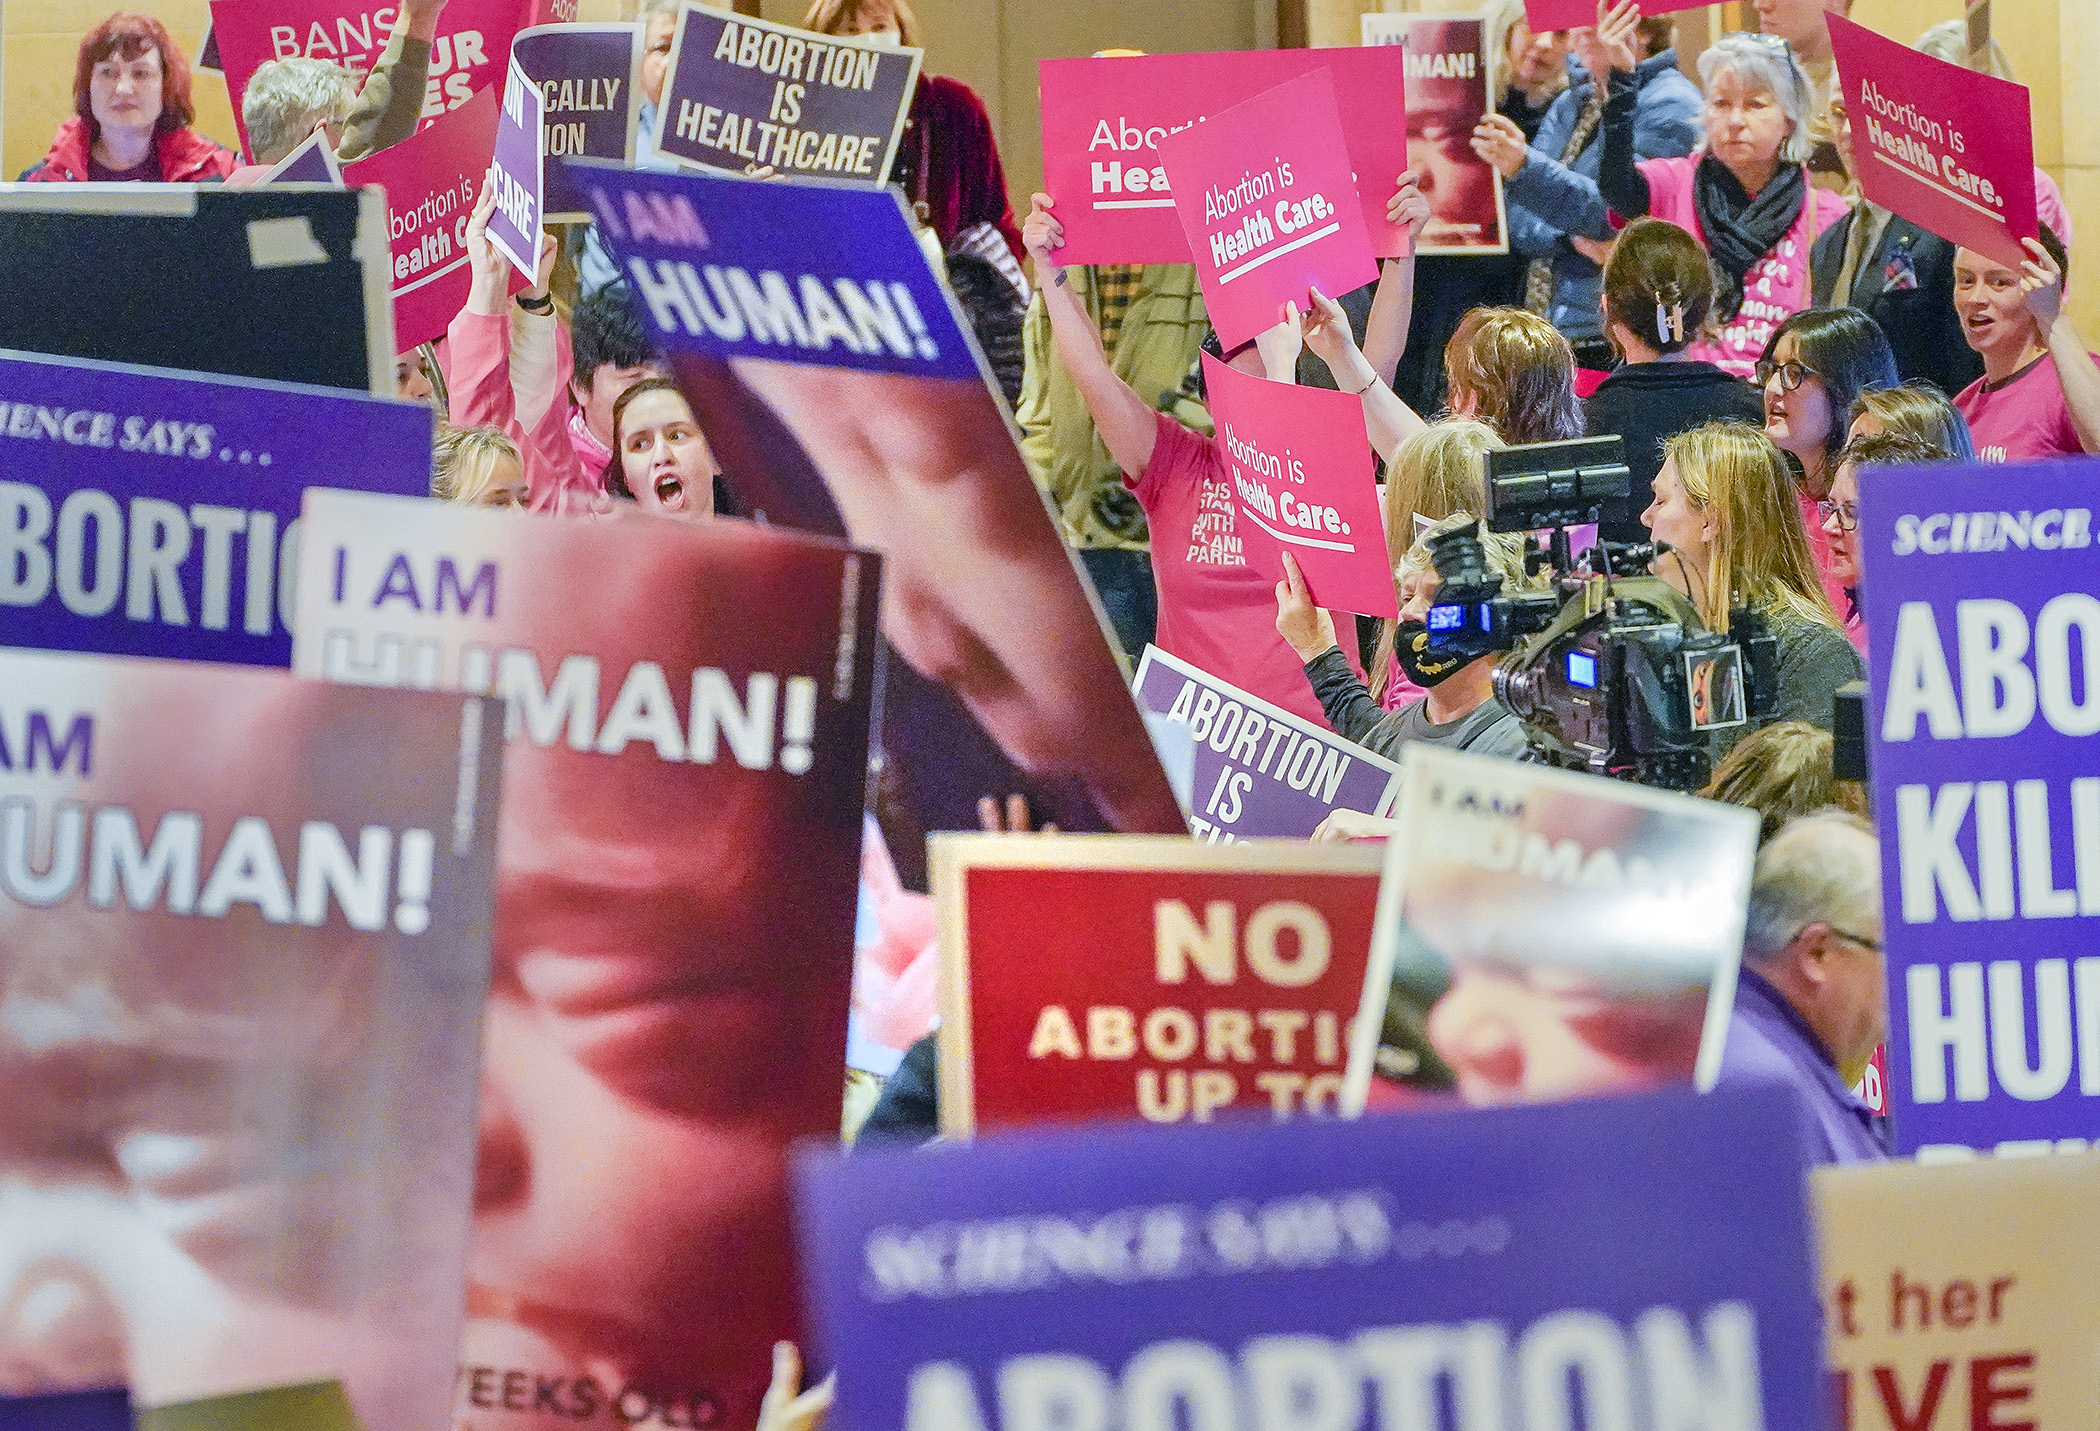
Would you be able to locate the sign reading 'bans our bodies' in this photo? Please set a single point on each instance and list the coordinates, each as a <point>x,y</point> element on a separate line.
<point>1268,217</point>
<point>1947,148</point>
<point>1983,638</point>
<point>1104,121</point>
<point>743,92</point>
<point>1204,979</point>
<point>1302,481</point>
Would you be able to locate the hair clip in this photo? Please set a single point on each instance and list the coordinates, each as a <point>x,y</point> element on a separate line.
<point>1669,322</point>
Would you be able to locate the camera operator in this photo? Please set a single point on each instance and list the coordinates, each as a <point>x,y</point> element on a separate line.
<point>1724,501</point>
<point>1458,709</point>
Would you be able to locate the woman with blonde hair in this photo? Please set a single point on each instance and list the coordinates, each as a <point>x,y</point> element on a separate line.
<point>1914,410</point>
<point>478,466</point>
<point>1514,371</point>
<point>1724,502</point>
<point>1440,470</point>
<point>1783,772</point>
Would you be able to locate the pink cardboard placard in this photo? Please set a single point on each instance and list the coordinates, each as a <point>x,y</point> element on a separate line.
<point>1103,121</point>
<point>431,179</point>
<point>1573,14</point>
<point>1264,194</point>
<point>1944,146</point>
<point>1301,477</point>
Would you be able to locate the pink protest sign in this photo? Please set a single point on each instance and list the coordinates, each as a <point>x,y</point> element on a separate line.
<point>468,55</point>
<point>431,179</point>
<point>1265,196</point>
<point>1103,121</point>
<point>1573,14</point>
<point>1945,147</point>
<point>1301,478</point>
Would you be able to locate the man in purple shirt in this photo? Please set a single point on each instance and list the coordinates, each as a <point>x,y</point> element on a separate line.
<point>1812,997</point>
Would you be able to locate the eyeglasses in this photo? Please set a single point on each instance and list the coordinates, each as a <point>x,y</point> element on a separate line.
<point>1860,939</point>
<point>1847,513</point>
<point>1790,375</point>
<point>1775,43</point>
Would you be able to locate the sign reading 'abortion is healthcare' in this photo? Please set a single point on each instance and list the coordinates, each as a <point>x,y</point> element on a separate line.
<point>1984,648</point>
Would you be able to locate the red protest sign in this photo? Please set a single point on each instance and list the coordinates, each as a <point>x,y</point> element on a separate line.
<point>1947,148</point>
<point>1263,191</point>
<point>468,54</point>
<point>1573,14</point>
<point>1103,121</point>
<point>1205,979</point>
<point>1302,482</point>
<point>431,179</point>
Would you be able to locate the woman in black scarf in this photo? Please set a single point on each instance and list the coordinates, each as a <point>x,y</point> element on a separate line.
<point>1744,194</point>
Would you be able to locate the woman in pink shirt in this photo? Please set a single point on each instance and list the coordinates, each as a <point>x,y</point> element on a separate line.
<point>1745,195</point>
<point>2039,396</point>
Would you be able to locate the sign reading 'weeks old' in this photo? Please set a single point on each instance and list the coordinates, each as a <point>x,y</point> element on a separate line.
<point>1947,148</point>
<point>1265,195</point>
<point>1302,482</point>
<point>1104,121</point>
<point>1204,979</point>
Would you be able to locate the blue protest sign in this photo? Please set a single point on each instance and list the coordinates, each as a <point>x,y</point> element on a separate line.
<point>1984,645</point>
<point>1514,1265</point>
<point>821,274</point>
<point>743,93</point>
<point>152,513</point>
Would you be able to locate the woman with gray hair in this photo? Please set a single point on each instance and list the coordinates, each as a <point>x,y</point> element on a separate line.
<point>1744,193</point>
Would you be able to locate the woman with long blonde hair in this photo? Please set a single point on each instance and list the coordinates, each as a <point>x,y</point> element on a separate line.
<point>1724,503</point>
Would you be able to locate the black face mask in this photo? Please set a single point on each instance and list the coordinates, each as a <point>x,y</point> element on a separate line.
<point>1424,664</point>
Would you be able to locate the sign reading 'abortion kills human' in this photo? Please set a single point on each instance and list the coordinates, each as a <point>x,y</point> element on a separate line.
<point>743,92</point>
<point>1267,200</point>
<point>1947,148</point>
<point>1302,481</point>
<point>1984,647</point>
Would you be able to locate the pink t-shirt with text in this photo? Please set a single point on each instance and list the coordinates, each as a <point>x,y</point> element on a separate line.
<point>1215,612</point>
<point>2023,419</point>
<point>1777,285</point>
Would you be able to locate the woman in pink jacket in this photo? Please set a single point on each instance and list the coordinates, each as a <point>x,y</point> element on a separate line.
<point>1744,193</point>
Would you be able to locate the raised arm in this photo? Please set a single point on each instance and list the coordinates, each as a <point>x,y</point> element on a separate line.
<point>1126,422</point>
<point>390,104</point>
<point>2043,283</point>
<point>1393,303</point>
<point>1388,421</point>
<point>1623,185</point>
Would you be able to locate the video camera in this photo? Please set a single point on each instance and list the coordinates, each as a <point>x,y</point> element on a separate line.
<point>1612,671</point>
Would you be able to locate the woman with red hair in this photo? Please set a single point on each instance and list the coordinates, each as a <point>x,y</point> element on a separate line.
<point>131,113</point>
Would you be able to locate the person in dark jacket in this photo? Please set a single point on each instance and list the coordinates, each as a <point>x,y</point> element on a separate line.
<point>1658,294</point>
<point>131,113</point>
<point>1557,219</point>
<point>1901,276</point>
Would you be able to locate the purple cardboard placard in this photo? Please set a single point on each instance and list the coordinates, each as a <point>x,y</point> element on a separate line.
<point>1984,653</point>
<point>153,513</point>
<point>519,174</point>
<point>587,77</point>
<point>743,92</point>
<point>313,162</point>
<point>1258,770</point>
<point>1329,1274</point>
<point>68,1411</point>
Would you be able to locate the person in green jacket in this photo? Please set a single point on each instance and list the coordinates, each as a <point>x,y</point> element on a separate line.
<point>1152,321</point>
<point>286,100</point>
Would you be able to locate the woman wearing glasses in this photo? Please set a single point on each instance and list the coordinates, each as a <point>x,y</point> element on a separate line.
<point>1724,501</point>
<point>1814,369</point>
<point>1745,195</point>
<point>1840,510</point>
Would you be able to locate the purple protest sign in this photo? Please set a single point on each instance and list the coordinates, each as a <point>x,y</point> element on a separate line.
<point>311,163</point>
<point>68,1411</point>
<point>1984,649</point>
<point>587,76</point>
<point>152,513</point>
<point>1256,769</point>
<point>742,92</point>
<point>519,173</point>
<point>1294,1274</point>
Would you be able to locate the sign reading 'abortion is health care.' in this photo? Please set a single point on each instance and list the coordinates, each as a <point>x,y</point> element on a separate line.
<point>587,77</point>
<point>1323,1274</point>
<point>1258,771</point>
<point>1104,120</point>
<point>1947,148</point>
<point>150,513</point>
<point>518,171</point>
<point>431,179</point>
<point>1542,15</point>
<point>1204,980</point>
<point>1984,646</point>
<point>1302,481</point>
<point>1265,194</point>
<point>744,92</point>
